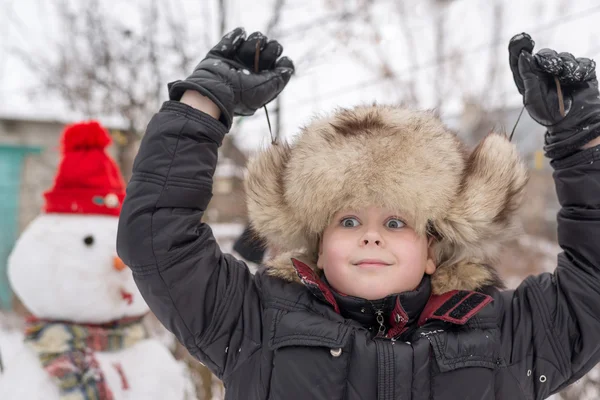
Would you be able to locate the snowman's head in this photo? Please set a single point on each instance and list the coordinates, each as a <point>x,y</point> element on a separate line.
<point>65,267</point>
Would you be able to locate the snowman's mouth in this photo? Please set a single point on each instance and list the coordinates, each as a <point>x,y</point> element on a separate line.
<point>127,296</point>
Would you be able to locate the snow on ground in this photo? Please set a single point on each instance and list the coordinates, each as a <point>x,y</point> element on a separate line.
<point>11,337</point>
<point>10,343</point>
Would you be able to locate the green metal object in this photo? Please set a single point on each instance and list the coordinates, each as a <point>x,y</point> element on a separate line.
<point>11,164</point>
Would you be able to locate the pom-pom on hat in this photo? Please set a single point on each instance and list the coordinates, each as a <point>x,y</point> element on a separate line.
<point>88,180</point>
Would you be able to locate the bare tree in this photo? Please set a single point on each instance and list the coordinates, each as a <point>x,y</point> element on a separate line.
<point>446,64</point>
<point>101,67</point>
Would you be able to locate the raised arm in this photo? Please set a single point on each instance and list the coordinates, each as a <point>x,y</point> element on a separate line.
<point>551,322</point>
<point>208,299</point>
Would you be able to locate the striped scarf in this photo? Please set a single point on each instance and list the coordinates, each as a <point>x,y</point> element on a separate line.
<point>66,351</point>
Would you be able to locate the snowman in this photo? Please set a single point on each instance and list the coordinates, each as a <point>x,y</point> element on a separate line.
<point>86,340</point>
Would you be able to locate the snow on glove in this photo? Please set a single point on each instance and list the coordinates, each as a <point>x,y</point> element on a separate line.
<point>535,77</point>
<point>227,74</point>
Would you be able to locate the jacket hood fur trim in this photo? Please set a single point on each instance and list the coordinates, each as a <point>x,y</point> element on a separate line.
<point>403,160</point>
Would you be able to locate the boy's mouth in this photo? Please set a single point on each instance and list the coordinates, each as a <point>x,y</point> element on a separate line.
<point>371,263</point>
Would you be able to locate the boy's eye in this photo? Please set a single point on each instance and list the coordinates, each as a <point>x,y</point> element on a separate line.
<point>395,223</point>
<point>349,222</point>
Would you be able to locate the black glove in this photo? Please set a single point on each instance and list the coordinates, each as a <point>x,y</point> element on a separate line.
<point>534,76</point>
<point>227,74</point>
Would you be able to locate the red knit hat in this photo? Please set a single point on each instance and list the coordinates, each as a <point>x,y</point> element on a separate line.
<point>88,179</point>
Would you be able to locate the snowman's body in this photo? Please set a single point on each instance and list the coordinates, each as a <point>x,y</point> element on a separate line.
<point>145,371</point>
<point>64,268</point>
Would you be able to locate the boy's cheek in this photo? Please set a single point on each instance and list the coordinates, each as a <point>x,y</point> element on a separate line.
<point>333,256</point>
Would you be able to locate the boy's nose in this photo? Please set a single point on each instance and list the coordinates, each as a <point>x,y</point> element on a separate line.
<point>371,237</point>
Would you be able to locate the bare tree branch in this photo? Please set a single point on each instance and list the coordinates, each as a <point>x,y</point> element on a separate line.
<point>100,67</point>
<point>179,37</point>
<point>496,34</point>
<point>273,23</point>
<point>409,39</point>
<point>222,16</point>
<point>272,27</point>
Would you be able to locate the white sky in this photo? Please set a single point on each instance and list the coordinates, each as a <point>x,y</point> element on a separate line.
<point>336,77</point>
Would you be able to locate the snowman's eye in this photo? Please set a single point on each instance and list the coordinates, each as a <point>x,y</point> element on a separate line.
<point>88,240</point>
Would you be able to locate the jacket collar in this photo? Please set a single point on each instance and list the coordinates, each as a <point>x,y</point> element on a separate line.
<point>399,311</point>
<point>393,310</point>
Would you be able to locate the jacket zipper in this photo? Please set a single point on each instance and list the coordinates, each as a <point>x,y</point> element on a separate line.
<point>381,322</point>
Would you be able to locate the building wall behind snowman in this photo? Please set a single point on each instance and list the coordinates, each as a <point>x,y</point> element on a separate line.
<point>38,169</point>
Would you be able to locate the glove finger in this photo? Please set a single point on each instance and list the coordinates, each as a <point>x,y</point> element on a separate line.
<point>260,89</point>
<point>528,70</point>
<point>530,76</point>
<point>517,44</point>
<point>285,67</point>
<point>267,85</point>
<point>229,44</point>
<point>246,54</point>
<point>588,66</point>
<point>549,62</point>
<point>269,55</point>
<point>285,62</point>
<point>540,99</point>
<point>571,70</point>
<point>274,82</point>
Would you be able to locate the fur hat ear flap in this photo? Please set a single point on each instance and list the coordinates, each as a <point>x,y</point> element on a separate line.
<point>265,198</point>
<point>481,218</point>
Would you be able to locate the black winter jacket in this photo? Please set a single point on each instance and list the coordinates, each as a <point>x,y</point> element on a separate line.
<point>267,338</point>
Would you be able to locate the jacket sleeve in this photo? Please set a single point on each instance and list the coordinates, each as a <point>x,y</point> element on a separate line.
<point>551,322</point>
<point>208,299</point>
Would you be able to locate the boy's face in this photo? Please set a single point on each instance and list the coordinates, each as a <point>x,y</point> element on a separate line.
<point>372,253</point>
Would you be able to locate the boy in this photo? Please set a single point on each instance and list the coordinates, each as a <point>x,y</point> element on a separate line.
<point>388,292</point>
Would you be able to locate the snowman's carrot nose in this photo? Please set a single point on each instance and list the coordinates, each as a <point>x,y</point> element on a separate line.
<point>118,264</point>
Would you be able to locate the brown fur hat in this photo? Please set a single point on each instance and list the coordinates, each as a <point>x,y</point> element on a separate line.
<point>400,159</point>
